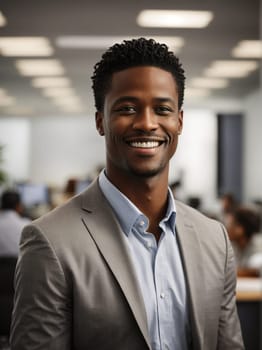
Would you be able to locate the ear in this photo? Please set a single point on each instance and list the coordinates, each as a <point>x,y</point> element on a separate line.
<point>180,122</point>
<point>99,123</point>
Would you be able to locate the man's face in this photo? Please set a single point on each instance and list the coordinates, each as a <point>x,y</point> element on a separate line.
<point>141,122</point>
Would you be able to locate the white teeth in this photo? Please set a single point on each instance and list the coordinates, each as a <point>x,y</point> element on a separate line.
<point>148,144</point>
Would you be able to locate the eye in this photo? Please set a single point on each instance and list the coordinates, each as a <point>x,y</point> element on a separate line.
<point>163,110</point>
<point>125,110</point>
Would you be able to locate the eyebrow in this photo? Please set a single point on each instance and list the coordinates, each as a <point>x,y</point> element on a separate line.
<point>164,99</point>
<point>125,98</point>
<point>135,99</point>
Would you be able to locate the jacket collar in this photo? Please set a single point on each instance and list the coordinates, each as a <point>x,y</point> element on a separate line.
<point>194,270</point>
<point>106,232</point>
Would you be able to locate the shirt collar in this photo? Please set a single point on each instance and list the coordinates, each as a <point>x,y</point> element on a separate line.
<point>126,212</point>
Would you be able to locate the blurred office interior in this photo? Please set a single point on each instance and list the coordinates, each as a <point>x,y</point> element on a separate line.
<point>48,140</point>
<point>47,54</point>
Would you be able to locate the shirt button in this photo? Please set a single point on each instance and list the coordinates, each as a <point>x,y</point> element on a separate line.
<point>162,295</point>
<point>141,223</point>
<point>149,245</point>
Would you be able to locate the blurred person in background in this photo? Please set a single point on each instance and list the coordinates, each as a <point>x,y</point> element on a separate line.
<point>228,204</point>
<point>243,225</point>
<point>11,222</point>
<point>123,266</point>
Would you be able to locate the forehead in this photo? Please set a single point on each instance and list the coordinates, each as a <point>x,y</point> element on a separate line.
<point>143,78</point>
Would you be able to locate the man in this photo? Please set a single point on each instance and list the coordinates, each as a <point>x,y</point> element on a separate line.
<point>122,266</point>
<point>11,223</point>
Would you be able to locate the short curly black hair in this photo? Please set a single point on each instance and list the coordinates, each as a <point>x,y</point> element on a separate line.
<point>134,53</point>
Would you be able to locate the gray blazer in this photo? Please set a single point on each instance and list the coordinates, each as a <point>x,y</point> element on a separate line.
<point>76,287</point>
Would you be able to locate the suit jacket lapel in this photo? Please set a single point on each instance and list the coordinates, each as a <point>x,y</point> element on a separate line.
<point>194,271</point>
<point>106,232</point>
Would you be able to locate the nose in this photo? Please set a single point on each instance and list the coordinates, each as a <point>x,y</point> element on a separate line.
<point>146,120</point>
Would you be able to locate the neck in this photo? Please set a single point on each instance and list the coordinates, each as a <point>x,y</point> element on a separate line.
<point>149,195</point>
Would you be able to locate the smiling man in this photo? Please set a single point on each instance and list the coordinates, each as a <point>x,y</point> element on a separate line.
<point>123,265</point>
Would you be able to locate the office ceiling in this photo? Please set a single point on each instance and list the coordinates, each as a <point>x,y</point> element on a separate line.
<point>233,21</point>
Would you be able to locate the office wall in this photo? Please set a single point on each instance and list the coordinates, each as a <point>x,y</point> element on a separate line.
<point>64,147</point>
<point>253,147</point>
<point>15,137</point>
<point>196,158</point>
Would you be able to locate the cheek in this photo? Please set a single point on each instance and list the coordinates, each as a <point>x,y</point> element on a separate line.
<point>112,137</point>
<point>115,126</point>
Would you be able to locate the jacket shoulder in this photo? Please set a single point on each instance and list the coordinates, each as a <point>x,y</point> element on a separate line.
<point>195,215</point>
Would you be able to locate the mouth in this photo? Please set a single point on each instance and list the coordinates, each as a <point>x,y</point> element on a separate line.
<point>146,144</point>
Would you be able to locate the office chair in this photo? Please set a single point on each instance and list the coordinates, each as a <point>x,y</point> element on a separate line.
<point>7,271</point>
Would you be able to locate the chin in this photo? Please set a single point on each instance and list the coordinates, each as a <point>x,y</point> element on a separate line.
<point>146,173</point>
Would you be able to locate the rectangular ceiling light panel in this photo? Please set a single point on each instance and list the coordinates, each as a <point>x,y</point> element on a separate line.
<point>39,67</point>
<point>58,91</point>
<point>231,69</point>
<point>104,42</point>
<point>25,46</point>
<point>43,82</point>
<point>248,49</point>
<point>174,19</point>
<point>209,83</point>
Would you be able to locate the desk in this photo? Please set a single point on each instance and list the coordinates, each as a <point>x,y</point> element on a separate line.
<point>249,288</point>
<point>249,305</point>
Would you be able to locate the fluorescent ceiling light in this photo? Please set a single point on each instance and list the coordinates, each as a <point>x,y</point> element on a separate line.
<point>3,20</point>
<point>50,82</point>
<point>231,69</point>
<point>209,83</point>
<point>58,91</point>
<point>103,42</point>
<point>25,46</point>
<point>39,67</point>
<point>174,18</point>
<point>195,92</point>
<point>248,49</point>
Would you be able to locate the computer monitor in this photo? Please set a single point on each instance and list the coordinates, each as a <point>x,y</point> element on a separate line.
<point>33,194</point>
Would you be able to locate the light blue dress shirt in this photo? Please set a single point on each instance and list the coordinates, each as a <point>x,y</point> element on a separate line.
<point>158,268</point>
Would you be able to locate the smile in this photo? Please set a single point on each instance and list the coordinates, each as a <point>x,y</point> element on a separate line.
<point>145,144</point>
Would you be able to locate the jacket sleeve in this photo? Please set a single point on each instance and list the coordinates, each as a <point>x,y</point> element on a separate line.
<point>229,331</point>
<point>42,312</point>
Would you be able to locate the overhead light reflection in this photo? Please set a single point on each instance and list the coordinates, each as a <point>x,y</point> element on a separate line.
<point>174,18</point>
<point>39,67</point>
<point>248,49</point>
<point>25,46</point>
<point>103,42</point>
<point>231,69</point>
